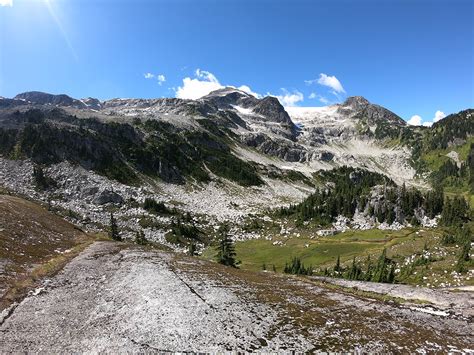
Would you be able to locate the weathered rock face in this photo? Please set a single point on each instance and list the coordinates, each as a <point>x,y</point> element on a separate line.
<point>283,149</point>
<point>227,98</point>
<point>264,112</point>
<point>107,196</point>
<point>270,107</point>
<point>92,103</point>
<point>373,114</point>
<point>42,98</point>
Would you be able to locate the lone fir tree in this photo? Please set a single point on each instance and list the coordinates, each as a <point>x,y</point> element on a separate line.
<point>225,249</point>
<point>337,267</point>
<point>113,229</point>
<point>140,238</point>
<point>192,250</point>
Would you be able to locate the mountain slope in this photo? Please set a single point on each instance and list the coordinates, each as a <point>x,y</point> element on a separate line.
<point>29,236</point>
<point>224,156</point>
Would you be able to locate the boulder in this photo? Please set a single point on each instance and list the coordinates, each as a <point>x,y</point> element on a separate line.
<point>107,196</point>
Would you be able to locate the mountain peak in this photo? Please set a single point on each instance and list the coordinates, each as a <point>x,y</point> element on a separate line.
<point>228,90</point>
<point>43,98</point>
<point>356,101</point>
<point>370,113</point>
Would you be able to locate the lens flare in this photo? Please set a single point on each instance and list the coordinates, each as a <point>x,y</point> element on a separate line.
<point>6,2</point>
<point>58,22</point>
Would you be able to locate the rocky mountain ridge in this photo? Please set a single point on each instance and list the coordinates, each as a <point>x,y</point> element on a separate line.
<point>321,138</point>
<point>224,156</point>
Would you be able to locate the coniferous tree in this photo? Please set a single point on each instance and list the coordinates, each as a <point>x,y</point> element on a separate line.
<point>192,249</point>
<point>140,238</point>
<point>464,258</point>
<point>355,272</point>
<point>391,275</point>
<point>381,273</point>
<point>465,252</point>
<point>337,267</point>
<point>369,273</point>
<point>296,267</point>
<point>113,229</point>
<point>42,181</point>
<point>225,249</point>
<point>414,221</point>
<point>455,212</point>
<point>391,216</point>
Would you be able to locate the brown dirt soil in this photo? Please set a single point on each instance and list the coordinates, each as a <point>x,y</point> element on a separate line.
<point>34,243</point>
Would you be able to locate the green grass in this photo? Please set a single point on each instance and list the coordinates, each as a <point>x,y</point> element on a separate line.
<point>319,252</point>
<point>322,252</point>
<point>435,158</point>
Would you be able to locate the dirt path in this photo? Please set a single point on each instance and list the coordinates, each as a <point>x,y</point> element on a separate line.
<point>114,297</point>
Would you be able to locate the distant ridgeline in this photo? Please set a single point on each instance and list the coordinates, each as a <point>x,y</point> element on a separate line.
<point>348,190</point>
<point>121,150</point>
<point>431,144</point>
<point>456,175</point>
<point>125,145</point>
<point>446,151</point>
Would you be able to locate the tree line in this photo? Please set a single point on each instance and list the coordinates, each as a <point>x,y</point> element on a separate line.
<point>348,190</point>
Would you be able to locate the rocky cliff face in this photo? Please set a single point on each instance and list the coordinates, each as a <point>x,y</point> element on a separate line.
<point>372,114</point>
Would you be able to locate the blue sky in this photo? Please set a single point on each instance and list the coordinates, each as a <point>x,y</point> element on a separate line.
<point>413,57</point>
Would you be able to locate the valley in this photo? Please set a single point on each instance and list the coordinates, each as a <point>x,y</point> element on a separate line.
<point>236,177</point>
<point>352,231</point>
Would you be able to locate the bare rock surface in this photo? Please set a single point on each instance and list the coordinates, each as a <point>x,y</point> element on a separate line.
<point>446,301</point>
<point>119,298</point>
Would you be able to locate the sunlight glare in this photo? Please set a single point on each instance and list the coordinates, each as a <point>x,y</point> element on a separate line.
<point>6,3</point>
<point>56,19</point>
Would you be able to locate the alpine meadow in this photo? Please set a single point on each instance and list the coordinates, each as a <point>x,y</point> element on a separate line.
<point>294,196</point>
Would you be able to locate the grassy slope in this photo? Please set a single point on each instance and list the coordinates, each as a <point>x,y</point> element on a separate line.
<point>34,243</point>
<point>435,158</point>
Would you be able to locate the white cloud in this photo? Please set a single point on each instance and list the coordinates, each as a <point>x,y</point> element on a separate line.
<point>323,100</point>
<point>439,115</point>
<point>331,81</point>
<point>247,89</point>
<point>418,121</point>
<point>205,75</point>
<point>195,88</point>
<point>161,78</point>
<point>288,98</point>
<point>6,2</point>
<point>320,98</point>
<point>415,120</point>
<point>203,83</point>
